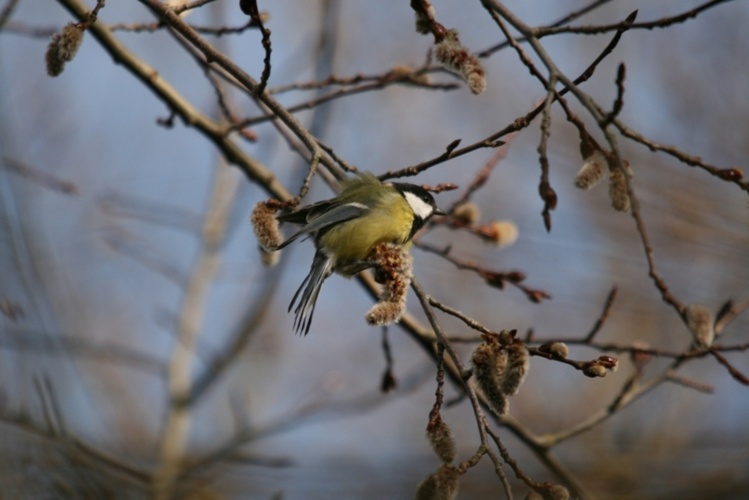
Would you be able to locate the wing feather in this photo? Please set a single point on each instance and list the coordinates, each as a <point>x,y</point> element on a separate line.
<point>330,217</point>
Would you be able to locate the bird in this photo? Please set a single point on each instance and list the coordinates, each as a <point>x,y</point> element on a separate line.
<point>347,228</point>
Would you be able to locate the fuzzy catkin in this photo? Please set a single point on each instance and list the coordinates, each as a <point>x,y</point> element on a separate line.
<point>592,170</point>
<point>441,438</point>
<point>385,313</point>
<point>456,58</point>
<point>447,478</point>
<point>489,361</point>
<point>62,48</point>
<point>265,226</point>
<point>395,270</point>
<point>618,190</point>
<point>269,259</point>
<point>558,492</point>
<point>502,233</point>
<point>701,323</point>
<point>427,489</point>
<point>467,213</point>
<point>517,367</point>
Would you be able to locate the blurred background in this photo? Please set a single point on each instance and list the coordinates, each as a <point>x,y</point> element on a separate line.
<point>101,211</point>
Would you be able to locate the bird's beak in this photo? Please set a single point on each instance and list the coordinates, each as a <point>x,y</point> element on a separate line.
<point>439,211</point>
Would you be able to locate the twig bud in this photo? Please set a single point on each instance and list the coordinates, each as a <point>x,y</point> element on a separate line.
<point>608,362</point>
<point>425,19</point>
<point>506,337</point>
<point>730,174</point>
<point>639,357</point>
<point>389,382</point>
<point>62,48</point>
<point>515,276</point>
<point>404,71</point>
<point>494,279</point>
<point>600,367</point>
<point>548,194</point>
<point>594,370</point>
<point>558,349</point>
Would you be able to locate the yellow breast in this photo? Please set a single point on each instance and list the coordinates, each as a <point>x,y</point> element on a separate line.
<point>389,222</point>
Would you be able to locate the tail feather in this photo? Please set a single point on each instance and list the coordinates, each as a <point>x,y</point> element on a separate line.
<point>322,268</point>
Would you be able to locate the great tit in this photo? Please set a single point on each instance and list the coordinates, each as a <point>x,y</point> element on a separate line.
<point>348,227</point>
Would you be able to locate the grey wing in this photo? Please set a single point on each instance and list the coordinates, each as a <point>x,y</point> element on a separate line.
<point>330,217</point>
<point>305,214</point>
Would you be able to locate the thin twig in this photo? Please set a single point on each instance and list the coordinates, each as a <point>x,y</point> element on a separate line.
<point>548,195</point>
<point>72,444</point>
<point>482,176</point>
<point>735,373</point>
<point>39,176</point>
<point>496,279</point>
<point>478,412</point>
<point>7,12</point>
<point>604,315</point>
<point>663,22</point>
<point>494,140</point>
<point>383,82</point>
<point>249,7</point>
<point>731,174</point>
<point>151,78</point>
<point>472,323</point>
<point>250,84</point>
<point>566,19</point>
<point>627,395</point>
<point>619,101</point>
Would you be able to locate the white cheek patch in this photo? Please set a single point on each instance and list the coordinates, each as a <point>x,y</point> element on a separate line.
<point>421,208</point>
